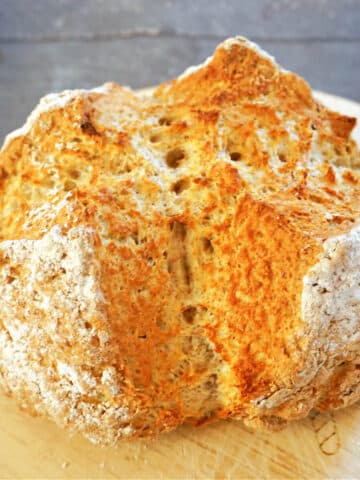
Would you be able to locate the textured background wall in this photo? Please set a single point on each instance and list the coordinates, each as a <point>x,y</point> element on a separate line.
<point>50,45</point>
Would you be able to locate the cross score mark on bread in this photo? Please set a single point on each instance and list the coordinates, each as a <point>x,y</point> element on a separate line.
<point>182,255</point>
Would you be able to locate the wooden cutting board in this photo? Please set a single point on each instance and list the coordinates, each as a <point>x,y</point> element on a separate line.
<point>324,446</point>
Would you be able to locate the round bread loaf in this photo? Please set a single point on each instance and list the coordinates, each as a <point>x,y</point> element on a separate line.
<point>181,255</point>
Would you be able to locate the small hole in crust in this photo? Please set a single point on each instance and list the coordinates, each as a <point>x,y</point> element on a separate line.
<point>189,314</point>
<point>88,128</point>
<point>282,157</point>
<point>235,156</point>
<point>155,138</point>
<point>211,381</point>
<point>180,186</point>
<point>267,189</point>
<point>74,173</point>
<point>207,245</point>
<point>165,121</point>
<point>95,341</point>
<point>13,273</point>
<point>3,173</point>
<point>135,237</point>
<point>88,325</point>
<point>174,157</point>
<point>69,185</point>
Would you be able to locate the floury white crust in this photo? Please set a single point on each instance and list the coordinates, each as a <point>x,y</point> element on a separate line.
<point>50,102</point>
<point>185,255</point>
<point>331,313</point>
<point>30,355</point>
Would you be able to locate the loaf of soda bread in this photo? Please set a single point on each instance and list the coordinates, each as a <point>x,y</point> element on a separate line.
<point>181,255</point>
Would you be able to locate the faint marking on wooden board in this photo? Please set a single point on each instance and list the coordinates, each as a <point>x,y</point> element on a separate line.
<point>326,432</point>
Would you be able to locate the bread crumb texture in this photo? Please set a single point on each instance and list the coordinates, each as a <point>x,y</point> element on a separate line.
<point>181,256</point>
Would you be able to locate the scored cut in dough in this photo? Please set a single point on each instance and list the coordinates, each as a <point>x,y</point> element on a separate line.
<point>181,255</point>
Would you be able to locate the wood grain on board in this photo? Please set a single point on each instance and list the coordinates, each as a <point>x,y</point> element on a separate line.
<point>320,447</point>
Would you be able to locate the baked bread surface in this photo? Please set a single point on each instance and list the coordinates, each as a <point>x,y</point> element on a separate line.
<point>182,255</point>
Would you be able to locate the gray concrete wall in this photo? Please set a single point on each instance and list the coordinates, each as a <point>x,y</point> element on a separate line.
<point>50,45</point>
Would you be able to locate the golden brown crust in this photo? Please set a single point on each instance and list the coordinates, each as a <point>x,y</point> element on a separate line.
<point>202,208</point>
